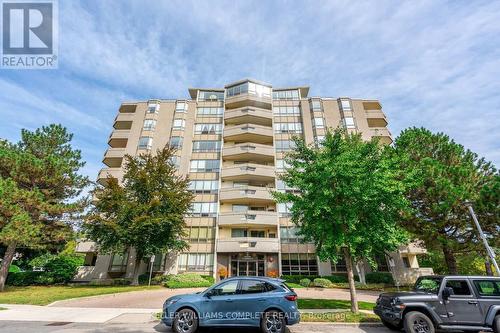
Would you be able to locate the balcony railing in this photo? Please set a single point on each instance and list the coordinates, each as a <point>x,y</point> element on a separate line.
<point>250,217</point>
<point>245,194</point>
<point>249,244</point>
<point>249,151</point>
<point>249,115</point>
<point>249,133</point>
<point>248,171</point>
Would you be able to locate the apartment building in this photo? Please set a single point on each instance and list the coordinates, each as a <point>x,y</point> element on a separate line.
<point>231,142</point>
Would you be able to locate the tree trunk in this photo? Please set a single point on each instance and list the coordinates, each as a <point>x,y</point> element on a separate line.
<point>137,266</point>
<point>451,262</point>
<point>350,278</point>
<point>360,269</point>
<point>7,260</point>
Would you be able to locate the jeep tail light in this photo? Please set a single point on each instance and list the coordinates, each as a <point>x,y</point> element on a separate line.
<point>291,297</point>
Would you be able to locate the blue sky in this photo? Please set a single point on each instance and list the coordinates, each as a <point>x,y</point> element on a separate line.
<point>431,63</point>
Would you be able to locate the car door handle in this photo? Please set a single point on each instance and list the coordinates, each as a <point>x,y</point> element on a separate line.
<point>472,302</point>
<point>229,300</point>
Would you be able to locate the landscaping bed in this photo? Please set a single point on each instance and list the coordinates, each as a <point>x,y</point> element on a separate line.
<point>339,317</point>
<point>309,303</point>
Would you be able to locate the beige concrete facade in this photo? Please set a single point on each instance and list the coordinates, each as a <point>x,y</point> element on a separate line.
<point>231,142</point>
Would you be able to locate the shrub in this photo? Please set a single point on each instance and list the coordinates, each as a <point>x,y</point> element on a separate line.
<point>321,282</point>
<point>296,278</point>
<point>379,277</point>
<point>305,282</point>
<point>187,280</point>
<point>209,278</point>
<point>121,282</point>
<point>14,269</point>
<point>23,278</point>
<point>57,268</point>
<point>336,278</point>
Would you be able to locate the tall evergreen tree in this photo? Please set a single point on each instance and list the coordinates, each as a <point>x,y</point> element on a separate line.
<point>39,184</point>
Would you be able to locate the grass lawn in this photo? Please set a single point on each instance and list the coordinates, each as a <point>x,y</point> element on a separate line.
<point>43,295</point>
<point>294,285</point>
<point>339,317</point>
<point>309,303</point>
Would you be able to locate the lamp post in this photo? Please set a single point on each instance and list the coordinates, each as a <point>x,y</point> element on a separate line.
<point>489,250</point>
<point>152,260</point>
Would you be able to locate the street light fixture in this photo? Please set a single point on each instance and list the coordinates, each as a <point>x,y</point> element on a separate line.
<point>489,250</point>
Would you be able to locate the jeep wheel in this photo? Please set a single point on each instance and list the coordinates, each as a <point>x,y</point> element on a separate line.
<point>390,326</point>
<point>417,322</point>
<point>496,324</point>
<point>185,321</point>
<point>273,322</point>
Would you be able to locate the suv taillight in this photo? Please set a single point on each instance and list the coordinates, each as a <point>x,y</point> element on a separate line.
<point>291,297</point>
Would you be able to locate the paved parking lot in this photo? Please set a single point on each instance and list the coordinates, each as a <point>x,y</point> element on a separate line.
<point>153,299</point>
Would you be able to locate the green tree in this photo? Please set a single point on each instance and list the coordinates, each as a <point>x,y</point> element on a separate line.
<point>145,213</point>
<point>39,186</point>
<point>349,199</point>
<point>446,175</point>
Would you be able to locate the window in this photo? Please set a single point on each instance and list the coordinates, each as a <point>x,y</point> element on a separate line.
<point>238,233</point>
<point>349,122</point>
<point>228,288</point>
<point>250,88</point>
<point>145,142</point>
<point>460,287</point>
<point>204,209</point>
<point>299,264</point>
<point>210,96</point>
<point>179,124</point>
<point>176,142</point>
<point>320,139</point>
<point>281,165</point>
<point>284,145</point>
<point>289,235</point>
<point>286,110</point>
<point>195,262</point>
<point>153,108</point>
<point>319,122</point>
<point>204,186</point>
<point>240,208</point>
<point>487,287</point>
<point>252,287</point>
<point>159,263</point>
<point>175,160</point>
<point>208,129</point>
<point>286,94</point>
<point>339,266</point>
<point>200,234</point>
<point>257,233</point>
<point>316,105</point>
<point>206,146</point>
<point>119,262</point>
<point>181,106</point>
<point>406,262</point>
<point>210,111</point>
<point>149,125</point>
<point>284,209</point>
<point>205,165</point>
<point>281,186</point>
<point>287,127</point>
<point>346,105</point>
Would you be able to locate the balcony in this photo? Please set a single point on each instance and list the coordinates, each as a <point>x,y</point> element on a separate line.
<point>244,244</point>
<point>382,133</point>
<point>413,248</point>
<point>245,194</point>
<point>113,172</point>
<point>249,133</point>
<point>249,152</point>
<point>248,172</point>
<point>127,108</point>
<point>249,115</point>
<point>85,246</point>
<point>376,118</point>
<point>243,100</point>
<point>113,157</point>
<point>119,138</point>
<point>249,218</point>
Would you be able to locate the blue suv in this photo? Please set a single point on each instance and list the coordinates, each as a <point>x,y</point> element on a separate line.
<point>239,301</point>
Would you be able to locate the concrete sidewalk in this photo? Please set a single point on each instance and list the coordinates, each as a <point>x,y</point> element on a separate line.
<point>17,312</point>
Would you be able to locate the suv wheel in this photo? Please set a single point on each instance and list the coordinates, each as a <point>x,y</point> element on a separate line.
<point>417,322</point>
<point>185,321</point>
<point>273,322</point>
<point>496,324</point>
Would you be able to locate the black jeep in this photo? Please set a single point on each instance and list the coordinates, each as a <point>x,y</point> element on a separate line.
<point>463,303</point>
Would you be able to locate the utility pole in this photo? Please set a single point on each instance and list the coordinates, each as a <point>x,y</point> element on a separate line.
<point>489,250</point>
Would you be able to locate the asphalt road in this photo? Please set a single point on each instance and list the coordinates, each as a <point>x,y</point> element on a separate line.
<point>44,327</point>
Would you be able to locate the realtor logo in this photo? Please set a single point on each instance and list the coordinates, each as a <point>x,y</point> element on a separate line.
<point>29,34</point>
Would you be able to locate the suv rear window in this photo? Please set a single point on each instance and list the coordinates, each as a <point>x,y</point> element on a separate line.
<point>487,287</point>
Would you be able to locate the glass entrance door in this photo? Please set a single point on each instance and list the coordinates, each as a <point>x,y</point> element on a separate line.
<point>247,267</point>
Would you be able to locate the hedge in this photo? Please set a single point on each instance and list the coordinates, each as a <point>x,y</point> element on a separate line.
<point>322,283</point>
<point>305,282</point>
<point>379,277</point>
<point>14,269</point>
<point>187,280</point>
